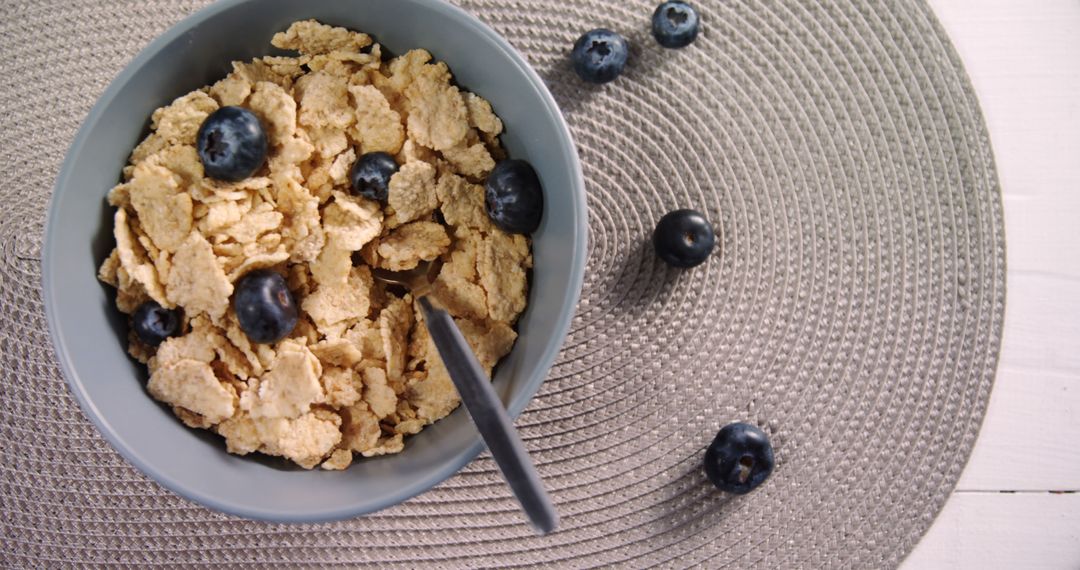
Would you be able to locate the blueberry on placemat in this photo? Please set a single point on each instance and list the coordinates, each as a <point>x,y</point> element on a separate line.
<point>154,323</point>
<point>599,55</point>
<point>739,459</point>
<point>232,144</point>
<point>265,308</point>
<point>675,24</point>
<point>683,238</point>
<point>370,175</point>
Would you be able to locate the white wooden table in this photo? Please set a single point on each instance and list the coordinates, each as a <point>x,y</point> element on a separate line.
<point>1017,504</point>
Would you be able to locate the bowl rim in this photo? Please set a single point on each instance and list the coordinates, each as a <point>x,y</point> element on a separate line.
<point>515,405</point>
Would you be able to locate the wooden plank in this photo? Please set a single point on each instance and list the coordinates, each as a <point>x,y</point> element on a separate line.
<point>1042,326</point>
<point>1021,57</point>
<point>1032,531</point>
<point>1029,438</point>
<point>1022,60</point>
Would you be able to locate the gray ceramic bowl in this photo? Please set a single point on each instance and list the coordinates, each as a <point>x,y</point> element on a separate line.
<point>89,333</point>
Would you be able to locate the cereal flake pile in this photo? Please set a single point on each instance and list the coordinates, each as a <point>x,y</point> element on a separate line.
<point>358,373</point>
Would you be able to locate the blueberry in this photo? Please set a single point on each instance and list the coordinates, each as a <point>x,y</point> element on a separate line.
<point>599,55</point>
<point>264,306</point>
<point>514,198</point>
<point>154,323</point>
<point>370,175</point>
<point>739,459</point>
<point>232,144</point>
<point>675,24</point>
<point>683,238</point>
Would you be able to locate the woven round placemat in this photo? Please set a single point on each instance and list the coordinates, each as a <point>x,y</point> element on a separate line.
<point>853,308</point>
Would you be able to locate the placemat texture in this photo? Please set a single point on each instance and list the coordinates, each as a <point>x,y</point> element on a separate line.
<point>854,307</point>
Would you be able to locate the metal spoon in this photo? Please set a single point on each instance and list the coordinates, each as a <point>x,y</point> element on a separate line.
<point>480,399</point>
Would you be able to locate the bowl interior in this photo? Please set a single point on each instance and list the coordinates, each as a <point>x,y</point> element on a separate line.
<point>88,332</point>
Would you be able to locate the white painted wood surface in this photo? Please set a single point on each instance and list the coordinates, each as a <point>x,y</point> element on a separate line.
<point>1017,504</point>
<point>1025,531</point>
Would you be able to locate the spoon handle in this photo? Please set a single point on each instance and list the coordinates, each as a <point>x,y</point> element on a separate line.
<point>490,417</point>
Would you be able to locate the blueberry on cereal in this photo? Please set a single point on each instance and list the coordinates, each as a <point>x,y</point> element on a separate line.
<point>513,197</point>
<point>264,306</point>
<point>232,144</point>
<point>370,175</point>
<point>599,55</point>
<point>675,24</point>
<point>154,323</point>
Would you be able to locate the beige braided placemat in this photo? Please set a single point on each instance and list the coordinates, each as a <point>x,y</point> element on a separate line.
<point>855,309</point>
